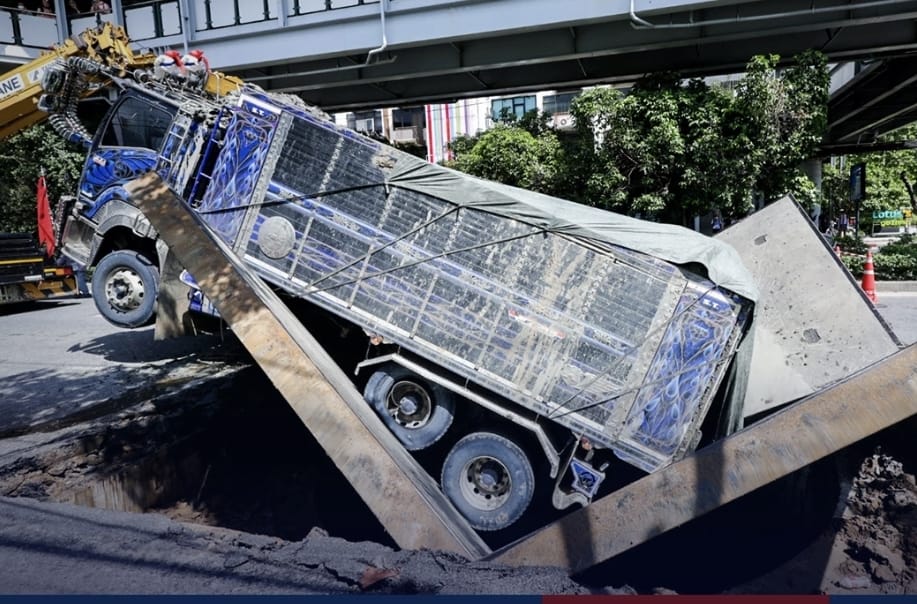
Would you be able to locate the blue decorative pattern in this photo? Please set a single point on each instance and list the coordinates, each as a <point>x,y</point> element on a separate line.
<point>236,174</point>
<point>112,167</point>
<point>683,370</point>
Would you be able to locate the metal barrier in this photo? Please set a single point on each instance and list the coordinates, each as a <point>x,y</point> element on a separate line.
<point>82,21</point>
<point>26,28</point>
<point>305,7</point>
<point>214,14</point>
<point>153,19</point>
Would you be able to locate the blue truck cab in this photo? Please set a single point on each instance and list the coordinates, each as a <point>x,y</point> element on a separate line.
<point>103,229</point>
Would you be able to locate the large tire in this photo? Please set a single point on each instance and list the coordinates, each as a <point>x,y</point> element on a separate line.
<point>124,287</point>
<point>489,479</point>
<point>418,413</point>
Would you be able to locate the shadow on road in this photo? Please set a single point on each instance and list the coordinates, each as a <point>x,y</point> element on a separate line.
<point>39,396</point>
<point>138,346</point>
<point>35,306</point>
<point>76,390</point>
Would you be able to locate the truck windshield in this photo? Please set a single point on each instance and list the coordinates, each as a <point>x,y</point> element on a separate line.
<point>137,123</point>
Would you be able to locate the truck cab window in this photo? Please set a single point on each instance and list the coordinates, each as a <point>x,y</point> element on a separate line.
<point>137,123</point>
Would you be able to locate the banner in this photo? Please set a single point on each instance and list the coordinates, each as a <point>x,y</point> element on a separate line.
<point>45,224</point>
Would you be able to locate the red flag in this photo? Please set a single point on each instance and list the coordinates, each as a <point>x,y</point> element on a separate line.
<point>45,226</point>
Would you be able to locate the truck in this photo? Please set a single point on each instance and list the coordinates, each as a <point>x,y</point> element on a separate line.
<point>521,345</point>
<point>106,57</point>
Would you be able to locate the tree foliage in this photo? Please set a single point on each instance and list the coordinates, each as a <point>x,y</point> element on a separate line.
<point>22,159</point>
<point>889,173</point>
<point>889,176</point>
<point>671,148</point>
<point>512,155</point>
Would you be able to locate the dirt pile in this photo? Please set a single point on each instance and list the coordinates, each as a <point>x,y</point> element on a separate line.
<point>876,541</point>
<point>870,544</point>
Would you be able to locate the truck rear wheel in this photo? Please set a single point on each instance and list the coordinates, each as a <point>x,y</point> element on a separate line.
<point>124,288</point>
<point>489,479</point>
<point>418,413</point>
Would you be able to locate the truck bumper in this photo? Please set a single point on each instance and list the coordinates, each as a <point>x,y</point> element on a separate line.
<point>51,286</point>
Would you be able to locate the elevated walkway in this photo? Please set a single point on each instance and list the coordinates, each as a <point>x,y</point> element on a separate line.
<point>352,54</point>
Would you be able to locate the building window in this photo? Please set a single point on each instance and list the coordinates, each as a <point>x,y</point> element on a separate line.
<point>558,103</point>
<point>367,122</point>
<point>406,118</point>
<point>516,106</point>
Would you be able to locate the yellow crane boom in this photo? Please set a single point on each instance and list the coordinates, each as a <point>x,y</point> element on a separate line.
<point>107,45</point>
<point>21,87</point>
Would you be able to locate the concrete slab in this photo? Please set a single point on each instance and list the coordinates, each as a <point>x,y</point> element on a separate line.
<point>813,325</point>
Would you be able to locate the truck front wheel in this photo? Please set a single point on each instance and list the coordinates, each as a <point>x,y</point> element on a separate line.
<point>124,288</point>
<point>489,479</point>
<point>417,412</point>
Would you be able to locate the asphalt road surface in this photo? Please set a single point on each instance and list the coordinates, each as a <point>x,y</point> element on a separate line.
<point>59,358</point>
<point>899,309</point>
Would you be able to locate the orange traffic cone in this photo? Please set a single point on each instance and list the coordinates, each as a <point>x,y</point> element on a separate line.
<point>869,278</point>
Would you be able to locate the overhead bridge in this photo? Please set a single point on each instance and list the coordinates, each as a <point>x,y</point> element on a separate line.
<point>352,54</point>
<point>880,98</point>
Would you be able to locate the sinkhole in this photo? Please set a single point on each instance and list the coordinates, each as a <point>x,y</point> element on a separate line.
<point>230,452</point>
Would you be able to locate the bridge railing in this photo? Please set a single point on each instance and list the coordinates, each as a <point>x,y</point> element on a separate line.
<point>26,28</point>
<point>78,22</point>
<point>305,7</point>
<point>152,19</point>
<point>214,14</point>
<point>157,18</point>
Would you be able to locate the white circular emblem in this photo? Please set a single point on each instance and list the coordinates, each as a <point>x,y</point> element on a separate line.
<point>276,237</point>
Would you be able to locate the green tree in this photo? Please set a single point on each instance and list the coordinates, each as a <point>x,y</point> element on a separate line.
<point>783,115</point>
<point>511,155</point>
<point>681,148</point>
<point>891,177</point>
<point>671,148</point>
<point>22,159</point>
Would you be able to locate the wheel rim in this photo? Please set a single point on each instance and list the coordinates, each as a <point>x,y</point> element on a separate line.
<point>409,404</point>
<point>486,483</point>
<point>124,289</point>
